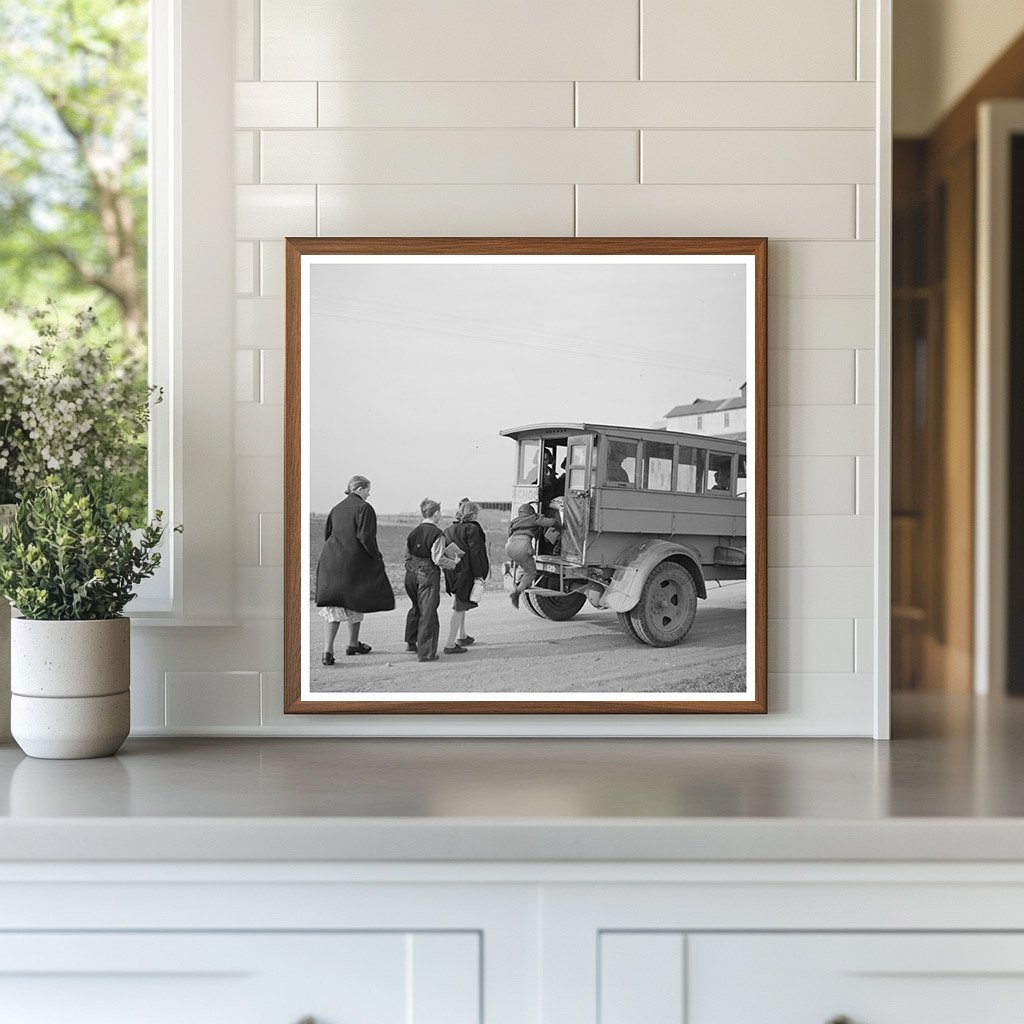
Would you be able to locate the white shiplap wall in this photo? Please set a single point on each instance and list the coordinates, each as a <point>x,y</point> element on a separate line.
<point>593,117</point>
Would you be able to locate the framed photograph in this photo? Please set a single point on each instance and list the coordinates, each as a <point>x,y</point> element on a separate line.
<point>525,475</point>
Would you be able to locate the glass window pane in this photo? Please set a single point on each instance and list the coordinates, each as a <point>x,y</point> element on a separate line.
<point>578,455</point>
<point>690,475</point>
<point>658,466</point>
<point>741,475</point>
<point>719,473</point>
<point>529,462</point>
<point>577,479</point>
<point>620,467</point>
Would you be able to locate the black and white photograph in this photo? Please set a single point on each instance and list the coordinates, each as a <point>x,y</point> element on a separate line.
<point>525,479</point>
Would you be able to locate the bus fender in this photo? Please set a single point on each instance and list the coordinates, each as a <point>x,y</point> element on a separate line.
<point>637,563</point>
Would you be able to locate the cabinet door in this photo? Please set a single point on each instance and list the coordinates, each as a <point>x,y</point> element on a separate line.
<point>862,978</point>
<point>242,978</point>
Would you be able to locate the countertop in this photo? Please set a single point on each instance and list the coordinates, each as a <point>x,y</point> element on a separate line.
<point>947,787</point>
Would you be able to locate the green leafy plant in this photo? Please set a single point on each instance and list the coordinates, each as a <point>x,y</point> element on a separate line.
<point>75,408</point>
<point>72,554</point>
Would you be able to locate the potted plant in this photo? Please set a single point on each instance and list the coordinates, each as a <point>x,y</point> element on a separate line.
<point>11,434</point>
<point>69,563</point>
<point>72,406</point>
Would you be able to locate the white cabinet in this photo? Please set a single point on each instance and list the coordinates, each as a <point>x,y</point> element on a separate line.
<point>868,979</point>
<point>511,943</point>
<point>906,978</point>
<point>241,978</point>
<point>786,944</point>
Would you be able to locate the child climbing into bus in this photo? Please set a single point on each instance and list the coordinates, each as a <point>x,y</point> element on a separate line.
<point>522,531</point>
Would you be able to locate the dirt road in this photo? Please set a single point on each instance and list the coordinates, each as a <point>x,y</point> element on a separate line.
<point>516,651</point>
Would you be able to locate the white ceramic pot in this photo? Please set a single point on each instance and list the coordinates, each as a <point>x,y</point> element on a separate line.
<point>6,515</point>
<point>69,684</point>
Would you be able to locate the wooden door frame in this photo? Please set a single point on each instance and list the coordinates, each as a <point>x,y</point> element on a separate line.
<point>998,121</point>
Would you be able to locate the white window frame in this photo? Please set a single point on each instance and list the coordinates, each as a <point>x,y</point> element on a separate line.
<point>191,295</point>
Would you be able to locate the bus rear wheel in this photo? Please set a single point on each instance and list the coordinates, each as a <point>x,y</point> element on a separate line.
<point>667,605</point>
<point>557,609</point>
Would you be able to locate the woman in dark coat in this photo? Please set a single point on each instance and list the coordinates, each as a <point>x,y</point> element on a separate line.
<point>467,532</point>
<point>350,575</point>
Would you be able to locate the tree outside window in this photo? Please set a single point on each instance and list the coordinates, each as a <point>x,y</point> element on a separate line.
<point>73,175</point>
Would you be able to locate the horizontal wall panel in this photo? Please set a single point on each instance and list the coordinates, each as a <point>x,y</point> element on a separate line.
<point>822,268</point>
<point>259,484</point>
<point>804,540</point>
<point>865,394</point>
<point>820,592</point>
<point>739,41</point>
<point>271,269</point>
<point>642,977</point>
<point>246,48</point>
<point>245,268</point>
<point>260,592</point>
<point>866,211</point>
<point>832,703</point>
<point>446,209</point>
<point>247,388</point>
<point>204,699</point>
<point>446,157</point>
<point>245,158</point>
<point>811,377</point>
<point>771,211</point>
<point>271,376</point>
<point>259,323</point>
<point>811,486</point>
<point>275,105</point>
<point>243,646</point>
<point>725,105</point>
<point>446,105</point>
<point>864,650</point>
<point>449,40</point>
<point>247,539</point>
<point>273,211</point>
<point>757,157</point>
<point>842,323</point>
<point>271,538</point>
<point>259,429</point>
<point>811,645</point>
<point>867,26</point>
<point>865,485</point>
<point>821,430</point>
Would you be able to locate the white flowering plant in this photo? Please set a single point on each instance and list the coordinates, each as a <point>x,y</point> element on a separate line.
<point>72,554</point>
<point>73,408</point>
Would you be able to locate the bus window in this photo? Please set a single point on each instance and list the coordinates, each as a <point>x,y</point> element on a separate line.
<point>577,467</point>
<point>741,475</point>
<point>690,475</point>
<point>620,467</point>
<point>719,473</point>
<point>657,475</point>
<point>529,462</point>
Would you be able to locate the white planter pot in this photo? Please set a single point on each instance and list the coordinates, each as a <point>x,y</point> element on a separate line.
<point>69,683</point>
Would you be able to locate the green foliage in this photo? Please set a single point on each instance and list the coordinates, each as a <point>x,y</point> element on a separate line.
<point>76,409</point>
<point>73,155</point>
<point>71,554</point>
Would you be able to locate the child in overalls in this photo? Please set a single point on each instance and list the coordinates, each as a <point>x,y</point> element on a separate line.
<point>522,531</point>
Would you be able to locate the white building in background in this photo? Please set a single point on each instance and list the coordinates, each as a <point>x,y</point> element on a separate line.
<point>717,417</point>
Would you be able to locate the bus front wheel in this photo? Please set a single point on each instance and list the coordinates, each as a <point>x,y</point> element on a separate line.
<point>667,605</point>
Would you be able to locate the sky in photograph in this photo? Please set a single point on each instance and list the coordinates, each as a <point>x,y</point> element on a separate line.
<point>415,368</point>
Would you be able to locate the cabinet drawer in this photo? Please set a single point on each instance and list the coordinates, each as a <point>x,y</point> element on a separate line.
<point>867,978</point>
<point>242,978</point>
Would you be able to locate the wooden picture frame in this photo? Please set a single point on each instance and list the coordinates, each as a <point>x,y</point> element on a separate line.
<point>403,356</point>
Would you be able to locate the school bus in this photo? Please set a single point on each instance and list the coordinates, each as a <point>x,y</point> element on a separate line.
<point>648,518</point>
